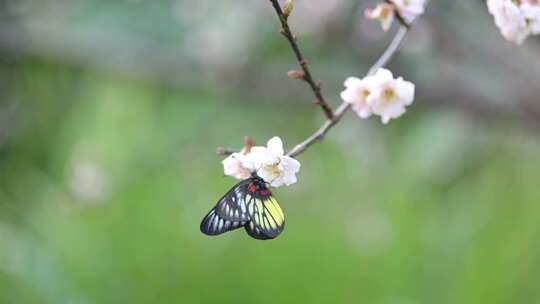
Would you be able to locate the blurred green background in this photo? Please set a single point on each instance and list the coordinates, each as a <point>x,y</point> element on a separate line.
<point>111,112</point>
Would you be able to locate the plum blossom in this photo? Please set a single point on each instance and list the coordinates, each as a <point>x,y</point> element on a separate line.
<point>384,13</point>
<point>270,163</point>
<point>389,96</point>
<point>409,9</point>
<point>509,19</point>
<point>273,165</point>
<point>356,92</point>
<point>380,94</point>
<point>237,165</point>
<point>531,10</point>
<point>516,19</point>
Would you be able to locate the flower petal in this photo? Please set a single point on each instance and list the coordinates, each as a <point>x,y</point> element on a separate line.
<point>405,90</point>
<point>352,82</point>
<point>348,96</point>
<point>236,165</point>
<point>261,156</point>
<point>383,75</point>
<point>275,145</point>
<point>292,165</point>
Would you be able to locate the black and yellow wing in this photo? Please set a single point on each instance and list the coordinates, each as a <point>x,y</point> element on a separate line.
<point>254,232</point>
<point>248,204</point>
<point>266,217</point>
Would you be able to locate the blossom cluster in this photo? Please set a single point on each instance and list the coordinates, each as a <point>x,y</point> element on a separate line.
<point>516,19</point>
<point>385,12</point>
<point>269,163</point>
<point>380,94</point>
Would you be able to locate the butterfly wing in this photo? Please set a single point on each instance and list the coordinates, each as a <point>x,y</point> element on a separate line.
<point>266,217</point>
<point>232,206</point>
<point>256,210</point>
<point>229,213</point>
<point>254,232</point>
<point>213,224</point>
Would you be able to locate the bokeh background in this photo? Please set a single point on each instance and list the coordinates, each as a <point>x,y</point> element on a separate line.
<point>111,113</point>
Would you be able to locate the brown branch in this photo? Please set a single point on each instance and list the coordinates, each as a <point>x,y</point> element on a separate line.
<point>332,117</point>
<point>307,77</point>
<point>388,54</point>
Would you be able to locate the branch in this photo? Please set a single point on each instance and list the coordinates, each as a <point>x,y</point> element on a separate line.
<point>248,144</point>
<point>332,118</point>
<point>307,76</point>
<point>319,135</point>
<point>225,151</point>
<point>390,51</point>
<point>388,54</point>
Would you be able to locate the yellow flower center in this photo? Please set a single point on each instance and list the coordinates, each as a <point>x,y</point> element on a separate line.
<point>274,168</point>
<point>389,94</point>
<point>366,93</point>
<point>386,11</point>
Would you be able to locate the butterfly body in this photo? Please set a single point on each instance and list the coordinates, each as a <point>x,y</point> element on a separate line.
<point>248,204</point>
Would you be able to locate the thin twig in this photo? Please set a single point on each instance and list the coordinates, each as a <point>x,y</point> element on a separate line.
<point>307,77</point>
<point>388,54</point>
<point>319,135</point>
<point>248,144</point>
<point>225,151</point>
<point>383,60</point>
<point>390,51</point>
<point>336,116</point>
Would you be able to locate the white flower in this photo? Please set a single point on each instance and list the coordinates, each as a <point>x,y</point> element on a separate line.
<point>237,165</point>
<point>410,9</point>
<point>510,20</point>
<point>531,10</point>
<point>389,96</point>
<point>272,165</point>
<point>384,13</point>
<point>379,94</point>
<point>356,93</point>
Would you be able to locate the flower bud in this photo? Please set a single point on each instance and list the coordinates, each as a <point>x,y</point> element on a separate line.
<point>295,74</point>
<point>248,143</point>
<point>288,8</point>
<point>384,13</point>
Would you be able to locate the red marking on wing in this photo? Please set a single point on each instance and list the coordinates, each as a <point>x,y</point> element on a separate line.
<point>265,192</point>
<point>252,188</point>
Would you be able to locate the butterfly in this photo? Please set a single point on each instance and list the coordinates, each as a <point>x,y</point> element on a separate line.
<point>248,204</point>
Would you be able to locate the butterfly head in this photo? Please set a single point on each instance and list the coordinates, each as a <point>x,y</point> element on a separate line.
<point>258,187</point>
